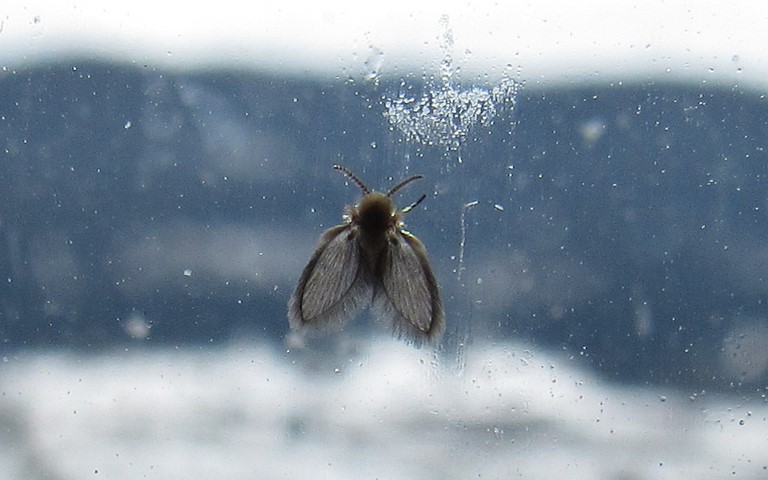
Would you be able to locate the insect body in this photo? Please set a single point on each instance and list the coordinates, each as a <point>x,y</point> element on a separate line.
<point>370,260</point>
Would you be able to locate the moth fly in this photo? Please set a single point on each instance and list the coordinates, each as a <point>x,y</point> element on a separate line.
<point>370,260</point>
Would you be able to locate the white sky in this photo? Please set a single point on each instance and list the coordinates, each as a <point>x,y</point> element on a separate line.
<point>601,40</point>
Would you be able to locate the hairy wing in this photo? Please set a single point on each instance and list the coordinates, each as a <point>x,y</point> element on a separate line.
<point>334,285</point>
<point>409,297</point>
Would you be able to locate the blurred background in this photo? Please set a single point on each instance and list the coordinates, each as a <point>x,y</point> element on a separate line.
<point>595,214</point>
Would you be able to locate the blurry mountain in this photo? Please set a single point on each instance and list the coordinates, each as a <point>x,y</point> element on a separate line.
<point>624,224</point>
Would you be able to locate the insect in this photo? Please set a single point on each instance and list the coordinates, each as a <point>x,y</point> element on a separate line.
<point>370,260</point>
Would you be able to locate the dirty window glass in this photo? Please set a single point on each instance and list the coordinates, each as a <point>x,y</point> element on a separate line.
<point>590,202</point>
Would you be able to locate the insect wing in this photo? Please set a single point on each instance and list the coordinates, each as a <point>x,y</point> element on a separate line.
<point>334,285</point>
<point>409,299</point>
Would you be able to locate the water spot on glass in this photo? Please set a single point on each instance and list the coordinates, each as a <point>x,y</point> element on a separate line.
<point>446,112</point>
<point>373,63</point>
<point>37,26</point>
<point>137,326</point>
<point>591,131</point>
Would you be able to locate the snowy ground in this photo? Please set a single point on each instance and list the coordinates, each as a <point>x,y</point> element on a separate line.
<point>382,410</point>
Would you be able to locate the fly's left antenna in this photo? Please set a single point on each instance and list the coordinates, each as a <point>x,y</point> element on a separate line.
<point>414,204</point>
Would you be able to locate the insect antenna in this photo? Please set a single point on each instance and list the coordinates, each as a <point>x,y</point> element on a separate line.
<point>414,204</point>
<point>402,184</point>
<point>352,177</point>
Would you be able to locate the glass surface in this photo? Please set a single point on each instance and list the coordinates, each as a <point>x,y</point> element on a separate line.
<point>596,225</point>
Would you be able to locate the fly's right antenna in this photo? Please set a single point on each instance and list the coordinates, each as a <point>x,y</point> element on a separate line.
<point>352,177</point>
